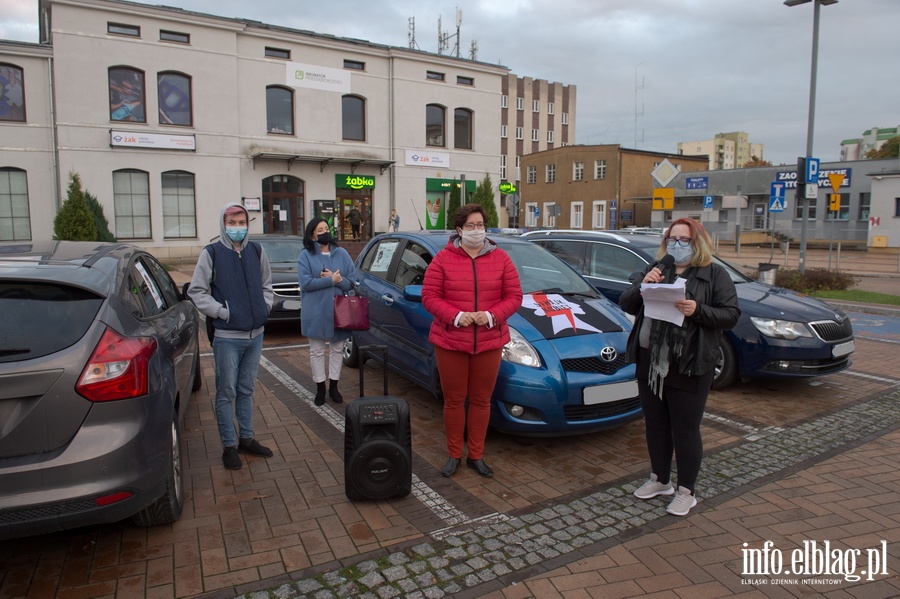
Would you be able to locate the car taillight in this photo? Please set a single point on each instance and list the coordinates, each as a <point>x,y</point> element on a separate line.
<point>118,368</point>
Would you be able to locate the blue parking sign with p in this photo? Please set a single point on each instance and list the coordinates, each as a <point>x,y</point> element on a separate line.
<point>812,171</point>
<point>707,202</point>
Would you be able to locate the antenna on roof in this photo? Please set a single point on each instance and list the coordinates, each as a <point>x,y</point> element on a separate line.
<point>411,34</point>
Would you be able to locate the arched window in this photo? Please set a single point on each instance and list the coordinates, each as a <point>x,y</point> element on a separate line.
<point>15,219</point>
<point>279,110</point>
<point>434,125</point>
<point>353,110</point>
<point>462,129</point>
<point>174,91</point>
<point>12,93</point>
<point>126,95</point>
<point>179,210</point>
<point>131,202</point>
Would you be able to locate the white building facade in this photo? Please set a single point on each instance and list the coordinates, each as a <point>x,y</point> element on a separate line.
<point>166,115</point>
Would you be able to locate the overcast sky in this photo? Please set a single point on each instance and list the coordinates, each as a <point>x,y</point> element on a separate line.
<point>649,73</point>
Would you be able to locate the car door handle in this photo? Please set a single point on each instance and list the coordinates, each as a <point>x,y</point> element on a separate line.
<point>387,299</point>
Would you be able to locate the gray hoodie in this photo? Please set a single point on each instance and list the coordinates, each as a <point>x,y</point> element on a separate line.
<point>200,290</point>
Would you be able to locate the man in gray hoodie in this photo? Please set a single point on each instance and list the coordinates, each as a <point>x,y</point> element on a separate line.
<point>232,284</point>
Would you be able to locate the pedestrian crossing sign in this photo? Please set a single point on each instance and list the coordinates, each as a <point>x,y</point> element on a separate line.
<point>776,204</point>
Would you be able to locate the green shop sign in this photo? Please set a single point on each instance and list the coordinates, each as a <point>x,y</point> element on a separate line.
<point>507,187</point>
<point>354,182</point>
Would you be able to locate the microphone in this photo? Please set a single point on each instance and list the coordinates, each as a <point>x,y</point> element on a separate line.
<point>664,264</point>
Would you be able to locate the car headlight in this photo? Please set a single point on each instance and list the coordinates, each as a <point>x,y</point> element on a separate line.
<point>780,329</point>
<point>519,351</point>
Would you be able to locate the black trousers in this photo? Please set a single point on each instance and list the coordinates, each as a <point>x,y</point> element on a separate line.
<point>672,423</point>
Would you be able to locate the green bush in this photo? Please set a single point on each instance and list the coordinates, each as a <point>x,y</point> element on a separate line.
<point>484,195</point>
<point>74,221</point>
<point>814,279</point>
<point>103,232</point>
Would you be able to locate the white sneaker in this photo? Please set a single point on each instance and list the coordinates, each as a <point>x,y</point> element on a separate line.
<point>652,488</point>
<point>682,503</point>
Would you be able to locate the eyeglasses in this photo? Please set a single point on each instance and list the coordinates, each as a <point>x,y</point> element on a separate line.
<point>473,226</point>
<point>681,241</point>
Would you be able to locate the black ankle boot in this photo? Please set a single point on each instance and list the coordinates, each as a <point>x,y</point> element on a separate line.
<point>320,393</point>
<point>333,391</point>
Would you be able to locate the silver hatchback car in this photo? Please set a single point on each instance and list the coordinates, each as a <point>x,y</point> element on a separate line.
<point>98,359</point>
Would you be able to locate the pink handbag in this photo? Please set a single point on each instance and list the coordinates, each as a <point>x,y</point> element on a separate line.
<point>351,313</point>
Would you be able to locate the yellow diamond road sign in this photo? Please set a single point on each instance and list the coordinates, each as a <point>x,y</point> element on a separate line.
<point>836,180</point>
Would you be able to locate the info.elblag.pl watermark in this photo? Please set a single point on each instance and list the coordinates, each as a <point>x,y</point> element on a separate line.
<point>816,562</point>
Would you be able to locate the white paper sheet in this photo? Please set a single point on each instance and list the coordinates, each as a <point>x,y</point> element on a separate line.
<point>660,298</point>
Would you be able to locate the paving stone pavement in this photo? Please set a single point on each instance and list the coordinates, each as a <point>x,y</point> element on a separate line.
<point>479,559</point>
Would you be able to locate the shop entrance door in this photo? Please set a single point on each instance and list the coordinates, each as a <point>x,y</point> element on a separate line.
<point>347,201</point>
<point>283,205</point>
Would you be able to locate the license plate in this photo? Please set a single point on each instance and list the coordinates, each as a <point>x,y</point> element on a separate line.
<point>842,349</point>
<point>611,392</point>
<point>290,304</point>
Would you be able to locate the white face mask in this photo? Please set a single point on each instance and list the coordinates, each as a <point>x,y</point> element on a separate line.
<point>681,255</point>
<point>472,239</point>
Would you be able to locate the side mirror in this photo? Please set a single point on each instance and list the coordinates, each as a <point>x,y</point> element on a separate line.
<point>412,293</point>
<point>184,291</point>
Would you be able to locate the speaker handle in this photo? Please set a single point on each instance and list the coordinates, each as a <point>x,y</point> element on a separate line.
<point>364,355</point>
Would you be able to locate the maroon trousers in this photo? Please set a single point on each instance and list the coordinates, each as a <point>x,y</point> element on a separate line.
<point>473,376</point>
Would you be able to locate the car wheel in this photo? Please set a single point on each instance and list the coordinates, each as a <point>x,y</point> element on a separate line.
<point>726,368</point>
<point>198,373</point>
<point>351,354</point>
<point>167,508</point>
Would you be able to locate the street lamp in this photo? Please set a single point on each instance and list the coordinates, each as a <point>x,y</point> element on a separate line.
<point>801,195</point>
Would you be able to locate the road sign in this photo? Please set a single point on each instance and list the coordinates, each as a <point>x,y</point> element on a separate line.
<point>776,204</point>
<point>812,191</point>
<point>812,171</point>
<point>663,198</point>
<point>835,202</point>
<point>707,202</point>
<point>836,180</point>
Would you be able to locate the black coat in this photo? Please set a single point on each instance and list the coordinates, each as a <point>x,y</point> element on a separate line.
<point>717,310</point>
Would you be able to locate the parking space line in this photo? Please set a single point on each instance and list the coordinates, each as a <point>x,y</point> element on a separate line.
<point>872,377</point>
<point>750,432</point>
<point>881,339</point>
<point>441,508</point>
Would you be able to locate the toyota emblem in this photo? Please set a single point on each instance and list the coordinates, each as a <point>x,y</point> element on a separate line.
<point>608,354</point>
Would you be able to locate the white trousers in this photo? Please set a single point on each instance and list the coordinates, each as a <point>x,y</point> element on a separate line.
<point>317,359</point>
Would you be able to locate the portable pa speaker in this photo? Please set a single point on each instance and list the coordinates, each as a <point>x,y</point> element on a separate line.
<point>377,448</point>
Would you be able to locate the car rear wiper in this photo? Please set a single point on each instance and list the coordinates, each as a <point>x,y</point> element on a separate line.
<point>14,351</point>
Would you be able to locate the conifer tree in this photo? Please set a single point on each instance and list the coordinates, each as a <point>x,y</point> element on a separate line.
<point>74,221</point>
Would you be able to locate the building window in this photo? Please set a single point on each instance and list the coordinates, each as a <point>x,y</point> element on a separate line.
<point>131,201</point>
<point>598,215</point>
<point>179,209</point>
<point>434,76</point>
<point>578,171</point>
<point>460,80</point>
<point>896,206</point>
<point>843,211</point>
<point>279,110</point>
<point>518,167</point>
<point>532,174</point>
<point>865,205</point>
<point>503,130</point>
<point>520,103</point>
<point>520,133</point>
<point>535,135</point>
<point>354,118</point>
<point>503,167</point>
<point>531,214</point>
<point>174,90</point>
<point>549,137</point>
<point>174,36</point>
<point>15,220</point>
<point>12,93</point>
<point>355,65</point>
<point>798,210</point>
<point>277,53</point>
<point>462,129</point>
<point>434,125</point>
<point>564,118</point>
<point>599,169</point>
<point>535,106</point>
<point>549,107</point>
<point>122,29</point>
<point>504,101</point>
<point>550,173</point>
<point>126,95</point>
<point>577,216</point>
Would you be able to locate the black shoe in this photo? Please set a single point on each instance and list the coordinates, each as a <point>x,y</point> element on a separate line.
<point>253,447</point>
<point>450,467</point>
<point>231,459</point>
<point>320,394</point>
<point>480,467</point>
<point>333,392</point>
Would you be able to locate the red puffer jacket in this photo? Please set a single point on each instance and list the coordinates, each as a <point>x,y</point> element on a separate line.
<point>455,282</point>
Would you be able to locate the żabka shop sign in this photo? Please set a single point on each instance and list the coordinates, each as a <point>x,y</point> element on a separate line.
<point>354,182</point>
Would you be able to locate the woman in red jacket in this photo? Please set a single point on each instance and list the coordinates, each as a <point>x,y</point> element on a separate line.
<point>471,288</point>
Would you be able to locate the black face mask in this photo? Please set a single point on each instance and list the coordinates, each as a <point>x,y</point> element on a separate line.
<point>324,238</point>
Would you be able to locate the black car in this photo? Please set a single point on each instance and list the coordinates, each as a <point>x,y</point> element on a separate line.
<point>98,359</point>
<point>282,252</point>
<point>780,333</point>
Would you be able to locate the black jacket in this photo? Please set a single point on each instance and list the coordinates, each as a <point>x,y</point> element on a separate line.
<point>717,310</point>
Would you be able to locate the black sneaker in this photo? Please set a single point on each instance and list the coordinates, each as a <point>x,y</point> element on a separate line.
<point>231,459</point>
<point>253,447</point>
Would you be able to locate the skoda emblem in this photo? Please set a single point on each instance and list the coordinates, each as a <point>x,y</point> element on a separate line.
<point>608,354</point>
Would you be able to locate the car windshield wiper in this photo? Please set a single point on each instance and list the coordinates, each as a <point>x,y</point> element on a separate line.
<point>559,291</point>
<point>14,351</point>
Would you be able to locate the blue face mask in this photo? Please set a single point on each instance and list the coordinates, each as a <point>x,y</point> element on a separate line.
<point>236,233</point>
<point>681,255</point>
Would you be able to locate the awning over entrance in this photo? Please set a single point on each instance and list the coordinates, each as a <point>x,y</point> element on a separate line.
<point>322,161</point>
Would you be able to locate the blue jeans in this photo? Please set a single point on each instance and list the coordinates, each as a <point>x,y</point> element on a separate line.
<point>237,362</point>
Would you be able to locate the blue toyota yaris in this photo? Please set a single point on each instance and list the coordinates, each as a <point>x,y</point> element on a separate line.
<point>564,369</point>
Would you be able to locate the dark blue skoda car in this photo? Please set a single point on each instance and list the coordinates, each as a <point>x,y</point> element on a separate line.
<point>562,372</point>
